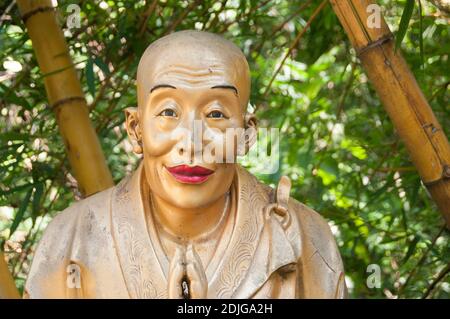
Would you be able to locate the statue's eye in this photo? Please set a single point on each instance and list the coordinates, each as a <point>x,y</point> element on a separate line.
<point>168,112</point>
<point>216,115</point>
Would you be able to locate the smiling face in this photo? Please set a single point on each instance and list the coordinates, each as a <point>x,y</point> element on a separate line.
<point>192,87</point>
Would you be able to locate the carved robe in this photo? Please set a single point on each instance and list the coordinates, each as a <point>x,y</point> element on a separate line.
<point>105,247</point>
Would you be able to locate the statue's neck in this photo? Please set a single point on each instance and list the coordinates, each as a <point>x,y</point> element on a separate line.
<point>187,224</point>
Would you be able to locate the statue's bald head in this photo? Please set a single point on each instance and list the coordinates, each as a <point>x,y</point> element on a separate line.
<point>193,59</point>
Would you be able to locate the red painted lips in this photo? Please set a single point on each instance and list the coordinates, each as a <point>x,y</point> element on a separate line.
<point>190,174</point>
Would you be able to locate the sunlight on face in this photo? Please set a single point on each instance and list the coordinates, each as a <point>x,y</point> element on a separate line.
<point>194,87</point>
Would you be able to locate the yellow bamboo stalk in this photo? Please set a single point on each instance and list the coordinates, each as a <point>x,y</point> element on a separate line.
<point>8,289</point>
<point>66,96</point>
<point>67,101</point>
<point>402,97</point>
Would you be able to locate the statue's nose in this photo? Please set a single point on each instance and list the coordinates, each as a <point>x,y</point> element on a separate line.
<point>191,143</point>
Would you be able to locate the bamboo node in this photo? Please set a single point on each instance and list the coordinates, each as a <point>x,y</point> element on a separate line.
<point>433,128</point>
<point>31,13</point>
<point>375,44</point>
<point>445,175</point>
<point>446,172</point>
<point>67,100</point>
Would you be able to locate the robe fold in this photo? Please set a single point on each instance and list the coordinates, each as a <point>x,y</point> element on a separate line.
<point>105,247</point>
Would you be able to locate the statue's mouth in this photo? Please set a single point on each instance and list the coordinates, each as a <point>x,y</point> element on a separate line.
<point>190,174</point>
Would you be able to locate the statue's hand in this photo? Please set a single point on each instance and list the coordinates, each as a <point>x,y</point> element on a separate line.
<point>176,273</point>
<point>196,274</point>
<point>187,266</point>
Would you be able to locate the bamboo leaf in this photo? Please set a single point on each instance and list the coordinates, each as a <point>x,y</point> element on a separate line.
<point>14,136</point>
<point>20,213</point>
<point>12,97</point>
<point>404,22</point>
<point>411,248</point>
<point>15,189</point>
<point>102,65</point>
<point>38,191</point>
<point>421,35</point>
<point>90,79</point>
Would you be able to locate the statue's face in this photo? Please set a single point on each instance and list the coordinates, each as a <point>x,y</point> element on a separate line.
<point>173,170</point>
<point>180,94</point>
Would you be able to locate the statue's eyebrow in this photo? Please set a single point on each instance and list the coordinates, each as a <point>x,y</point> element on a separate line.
<point>230,87</point>
<point>160,86</point>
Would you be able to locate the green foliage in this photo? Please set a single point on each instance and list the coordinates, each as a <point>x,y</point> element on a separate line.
<point>404,22</point>
<point>338,145</point>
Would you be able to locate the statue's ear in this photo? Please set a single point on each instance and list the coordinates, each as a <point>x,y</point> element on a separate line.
<point>133,128</point>
<point>250,131</point>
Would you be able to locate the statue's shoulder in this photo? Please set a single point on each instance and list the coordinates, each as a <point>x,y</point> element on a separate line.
<point>307,227</point>
<point>318,242</point>
<point>81,212</point>
<point>79,219</point>
<point>77,224</point>
<point>312,223</point>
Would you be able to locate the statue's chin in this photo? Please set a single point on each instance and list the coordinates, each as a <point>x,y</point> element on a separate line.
<point>189,198</point>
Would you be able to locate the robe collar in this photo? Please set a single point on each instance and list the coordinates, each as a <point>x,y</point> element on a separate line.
<point>259,244</point>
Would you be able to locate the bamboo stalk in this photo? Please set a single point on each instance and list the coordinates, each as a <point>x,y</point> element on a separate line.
<point>402,97</point>
<point>67,101</point>
<point>8,289</point>
<point>66,96</point>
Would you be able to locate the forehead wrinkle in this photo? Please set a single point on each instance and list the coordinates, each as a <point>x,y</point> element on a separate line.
<point>207,81</point>
<point>200,98</point>
<point>190,75</point>
<point>190,70</point>
<point>205,76</point>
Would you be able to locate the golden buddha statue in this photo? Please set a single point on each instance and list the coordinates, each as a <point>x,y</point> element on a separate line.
<point>181,227</point>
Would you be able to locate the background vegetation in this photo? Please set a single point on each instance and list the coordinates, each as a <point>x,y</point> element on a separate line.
<point>338,145</point>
